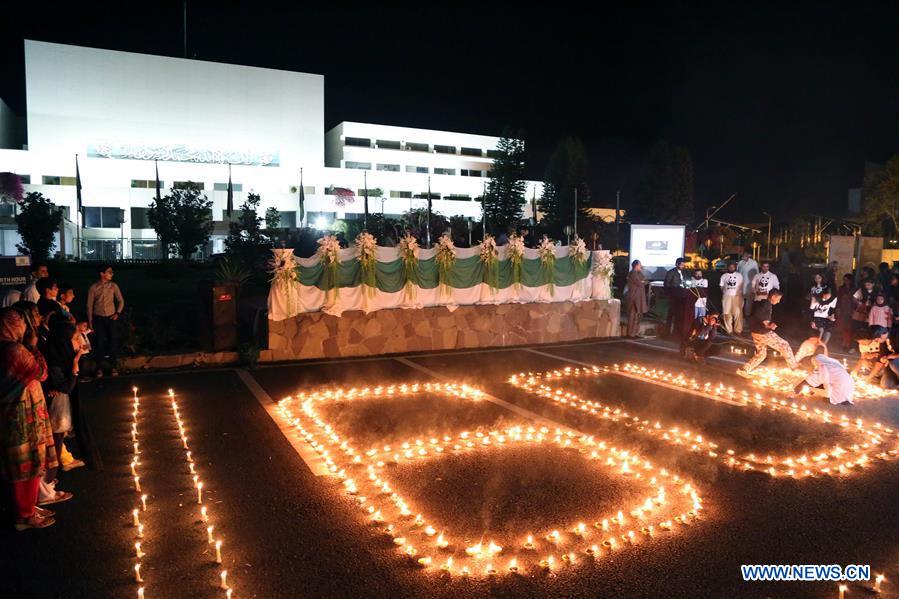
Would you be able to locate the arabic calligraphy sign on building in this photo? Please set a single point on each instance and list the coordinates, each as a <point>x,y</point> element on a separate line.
<point>182,153</point>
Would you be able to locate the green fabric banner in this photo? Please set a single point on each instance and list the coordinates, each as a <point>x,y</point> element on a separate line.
<point>466,272</point>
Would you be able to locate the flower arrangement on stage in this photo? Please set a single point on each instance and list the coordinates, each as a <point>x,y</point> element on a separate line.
<point>515,251</point>
<point>603,266</point>
<point>409,250</point>
<point>368,247</point>
<point>490,259</point>
<point>547,252</point>
<point>329,255</point>
<point>285,274</point>
<point>446,258</point>
<point>578,250</point>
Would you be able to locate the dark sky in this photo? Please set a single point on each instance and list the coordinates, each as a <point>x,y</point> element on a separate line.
<point>781,104</point>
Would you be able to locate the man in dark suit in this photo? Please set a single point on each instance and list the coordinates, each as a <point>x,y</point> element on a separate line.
<point>674,290</point>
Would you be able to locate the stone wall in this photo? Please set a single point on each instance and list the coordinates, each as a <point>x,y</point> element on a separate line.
<point>319,335</point>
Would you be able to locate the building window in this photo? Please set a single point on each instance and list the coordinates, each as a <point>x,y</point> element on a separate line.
<point>359,165</point>
<point>492,154</point>
<point>471,152</point>
<point>145,250</point>
<point>103,217</point>
<point>8,209</point>
<point>139,218</point>
<point>307,189</point>
<point>471,173</point>
<point>224,187</point>
<point>288,219</point>
<point>393,168</point>
<point>422,170</point>
<point>53,180</point>
<point>444,171</point>
<point>25,179</point>
<point>424,195</point>
<point>357,141</point>
<point>146,184</point>
<point>389,145</point>
<point>401,194</point>
<point>102,250</point>
<point>459,196</point>
<point>445,149</point>
<point>188,185</point>
<point>414,147</point>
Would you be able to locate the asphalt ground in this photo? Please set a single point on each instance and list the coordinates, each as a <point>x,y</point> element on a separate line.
<point>289,533</point>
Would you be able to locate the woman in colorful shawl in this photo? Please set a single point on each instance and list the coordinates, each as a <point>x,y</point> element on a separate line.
<point>25,434</point>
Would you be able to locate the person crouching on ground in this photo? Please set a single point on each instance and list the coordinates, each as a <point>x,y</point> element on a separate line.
<point>875,351</point>
<point>763,327</point>
<point>824,313</point>
<point>26,439</point>
<point>829,377</point>
<point>700,342</point>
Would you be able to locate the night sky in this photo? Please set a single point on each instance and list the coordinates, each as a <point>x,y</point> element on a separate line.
<point>781,105</point>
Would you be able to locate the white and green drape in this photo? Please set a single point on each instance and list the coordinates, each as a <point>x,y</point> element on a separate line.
<point>466,282</point>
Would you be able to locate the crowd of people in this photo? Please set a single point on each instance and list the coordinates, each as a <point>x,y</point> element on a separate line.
<point>44,352</point>
<point>865,317</point>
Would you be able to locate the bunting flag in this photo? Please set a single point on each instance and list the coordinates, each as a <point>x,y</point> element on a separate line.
<point>302,200</point>
<point>230,208</point>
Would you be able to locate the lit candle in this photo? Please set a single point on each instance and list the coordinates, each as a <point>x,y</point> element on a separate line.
<point>143,501</point>
<point>137,484</point>
<point>140,531</point>
<point>137,550</point>
<point>209,538</point>
<point>189,459</point>
<point>137,577</point>
<point>224,576</point>
<point>171,393</point>
<point>135,392</point>
<point>878,580</point>
<point>228,594</point>
<point>192,471</point>
<point>140,593</point>
<point>136,519</point>
<point>218,552</point>
<point>133,471</point>
<point>203,516</point>
<point>199,492</point>
<point>843,589</point>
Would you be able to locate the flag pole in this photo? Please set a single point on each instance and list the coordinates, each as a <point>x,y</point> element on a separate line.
<point>78,209</point>
<point>575,211</point>
<point>365,180</point>
<point>302,200</point>
<point>428,223</point>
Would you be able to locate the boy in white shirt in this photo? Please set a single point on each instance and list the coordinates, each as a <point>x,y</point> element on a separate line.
<point>764,282</point>
<point>732,300</point>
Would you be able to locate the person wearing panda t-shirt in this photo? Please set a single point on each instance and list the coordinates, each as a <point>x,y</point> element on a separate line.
<point>824,313</point>
<point>732,300</point>
<point>764,282</point>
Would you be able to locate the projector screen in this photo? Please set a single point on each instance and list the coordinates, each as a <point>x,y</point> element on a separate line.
<point>657,247</point>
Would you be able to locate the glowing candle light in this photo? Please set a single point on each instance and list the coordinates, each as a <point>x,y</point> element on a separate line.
<point>209,538</point>
<point>224,577</point>
<point>136,519</point>
<point>143,501</point>
<point>442,542</point>
<point>133,470</point>
<point>228,594</point>
<point>134,389</point>
<point>140,593</point>
<point>189,458</point>
<point>529,543</point>
<point>137,550</point>
<point>218,552</point>
<point>513,565</point>
<point>171,393</point>
<point>203,515</point>
<point>878,580</point>
<point>137,577</point>
<point>140,531</point>
<point>199,492</point>
<point>137,483</point>
<point>843,589</point>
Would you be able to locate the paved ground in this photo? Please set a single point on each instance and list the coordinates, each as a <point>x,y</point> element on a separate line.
<point>289,533</point>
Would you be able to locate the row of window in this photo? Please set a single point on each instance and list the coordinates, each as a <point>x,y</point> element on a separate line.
<point>111,218</point>
<point>419,170</point>
<point>362,142</point>
<point>136,183</point>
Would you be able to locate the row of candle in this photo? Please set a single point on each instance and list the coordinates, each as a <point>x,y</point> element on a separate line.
<point>205,518</point>
<point>833,460</point>
<point>139,553</point>
<point>784,380</point>
<point>386,508</point>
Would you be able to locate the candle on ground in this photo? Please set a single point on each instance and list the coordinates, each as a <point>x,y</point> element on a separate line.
<point>140,593</point>
<point>199,492</point>
<point>137,484</point>
<point>143,501</point>
<point>137,550</point>
<point>209,538</point>
<point>843,589</point>
<point>878,580</point>
<point>137,577</point>
<point>228,594</point>
<point>218,552</point>
<point>136,519</point>
<point>203,516</point>
<point>224,576</point>
<point>140,531</point>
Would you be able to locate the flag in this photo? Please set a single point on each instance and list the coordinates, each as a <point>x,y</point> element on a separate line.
<point>302,200</point>
<point>534,207</point>
<point>158,185</point>
<point>230,194</point>
<point>365,178</point>
<point>428,226</point>
<point>77,186</point>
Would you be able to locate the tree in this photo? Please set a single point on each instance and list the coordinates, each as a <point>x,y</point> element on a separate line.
<point>506,187</point>
<point>38,220</point>
<point>272,218</point>
<point>245,241</point>
<point>881,199</point>
<point>183,219</point>
<point>415,221</point>
<point>565,172</point>
<point>665,193</point>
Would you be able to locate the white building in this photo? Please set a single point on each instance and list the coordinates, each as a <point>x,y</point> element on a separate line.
<point>120,111</point>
